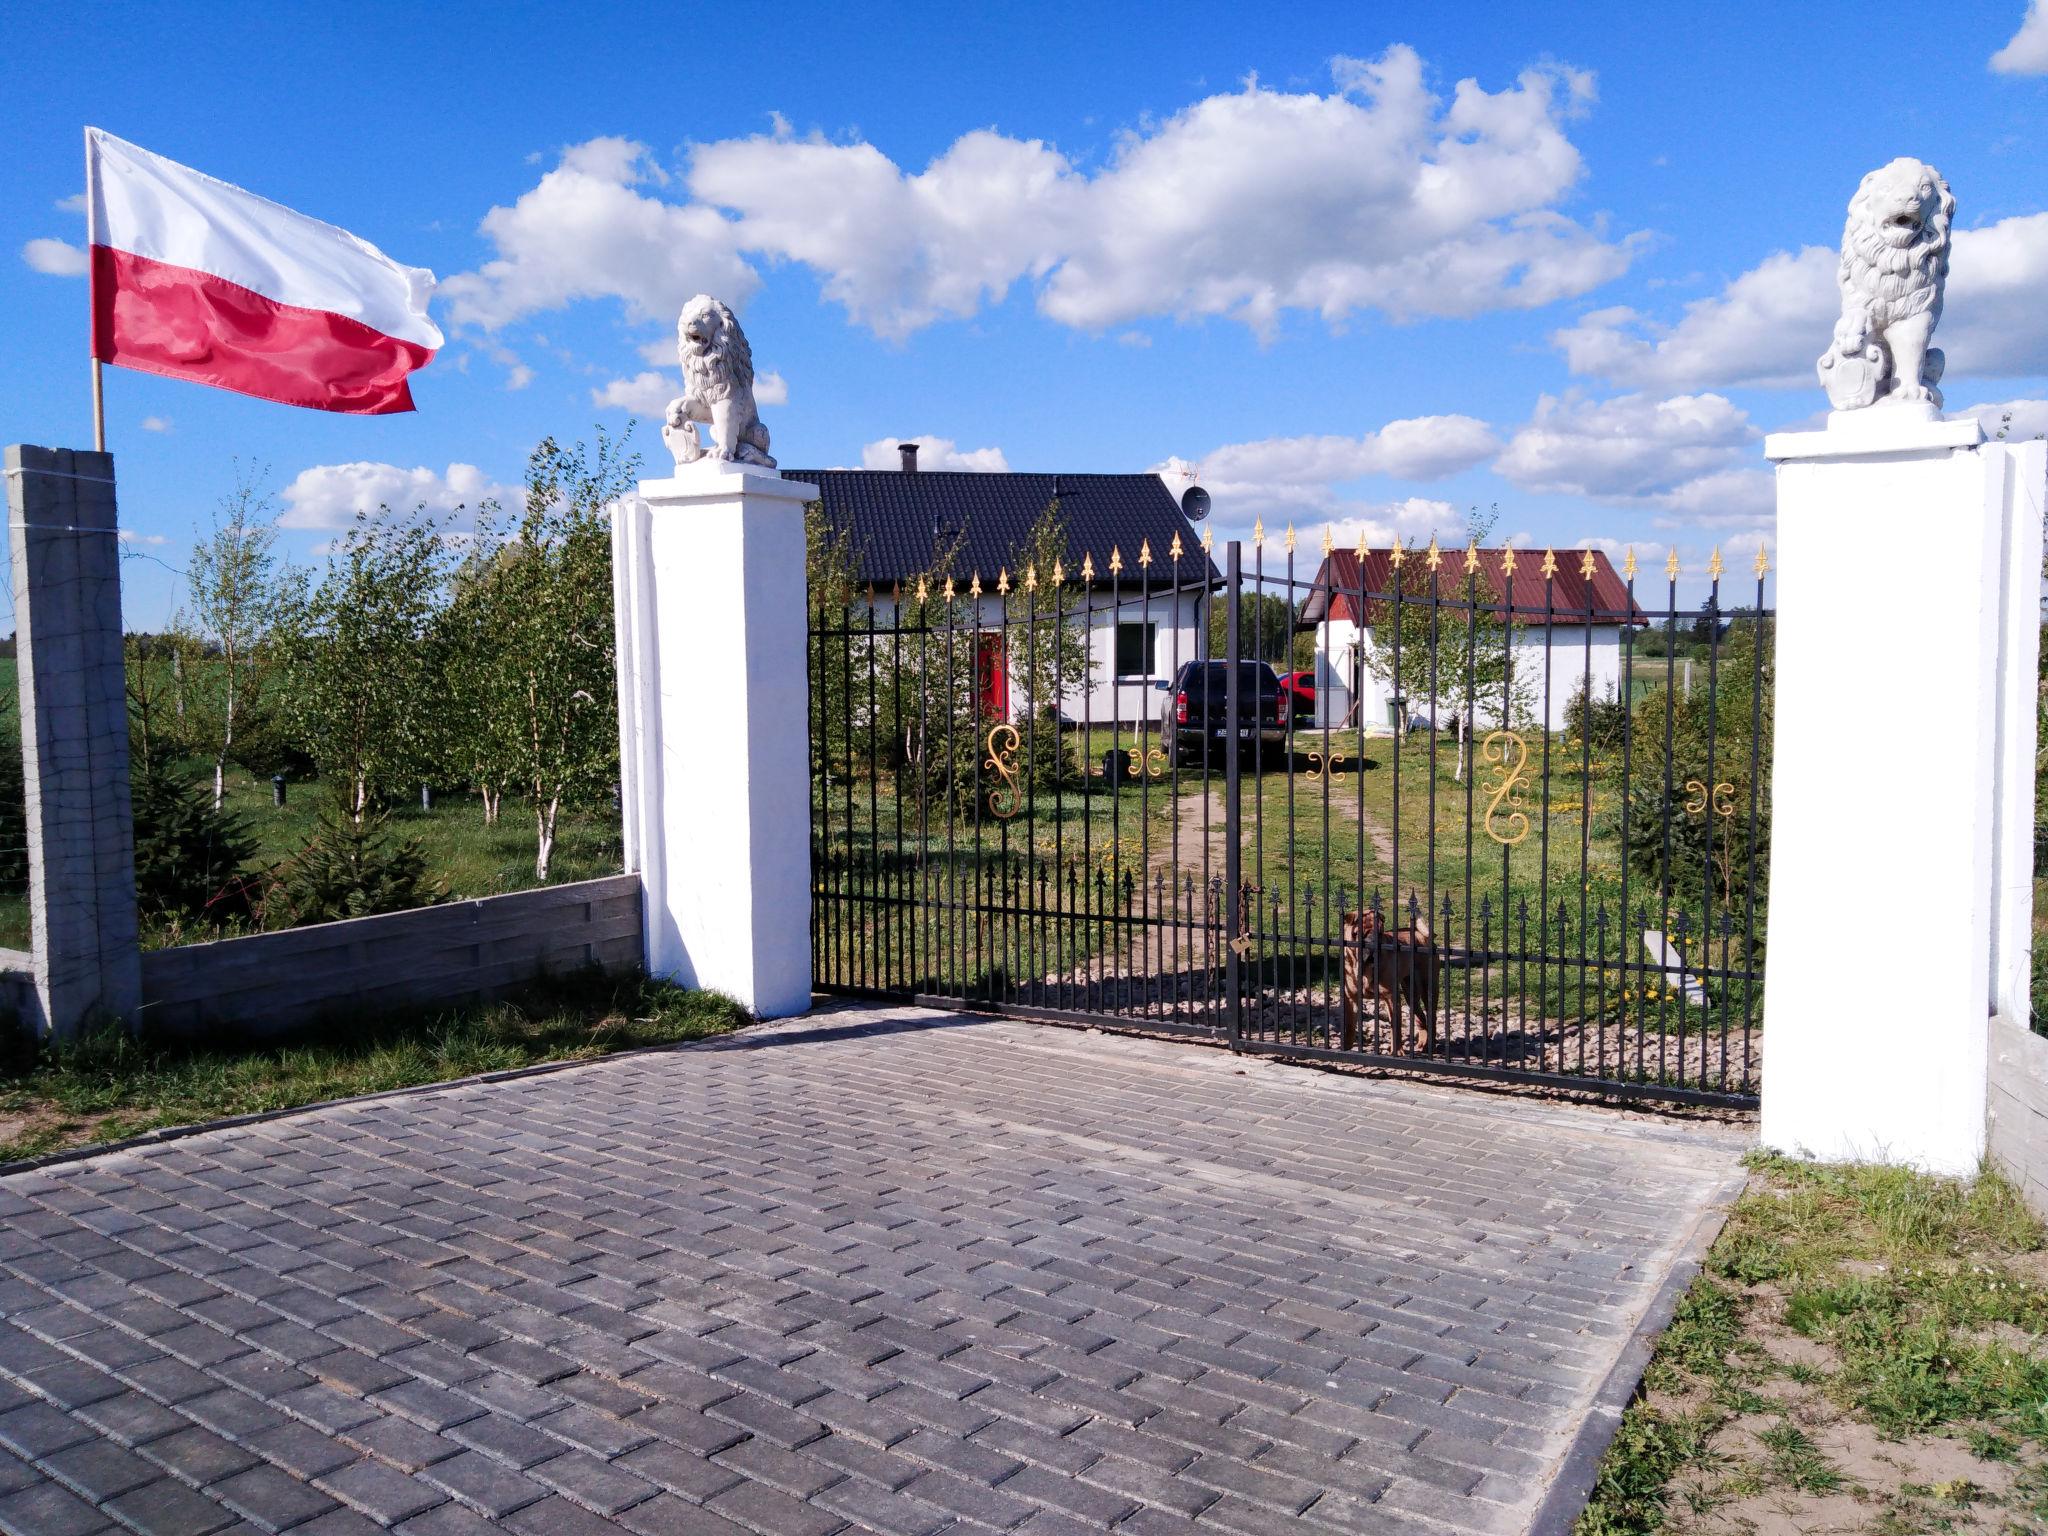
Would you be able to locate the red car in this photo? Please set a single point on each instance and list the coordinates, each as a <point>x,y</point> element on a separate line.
<point>1300,688</point>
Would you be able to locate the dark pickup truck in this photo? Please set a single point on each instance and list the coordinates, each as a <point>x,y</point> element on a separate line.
<point>1196,717</point>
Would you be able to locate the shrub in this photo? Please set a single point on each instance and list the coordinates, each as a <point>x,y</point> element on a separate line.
<point>13,818</point>
<point>1603,721</point>
<point>187,854</point>
<point>351,868</point>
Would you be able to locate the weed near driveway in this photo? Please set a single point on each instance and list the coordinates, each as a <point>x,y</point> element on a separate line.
<point>1865,1352</point>
<point>110,1086</point>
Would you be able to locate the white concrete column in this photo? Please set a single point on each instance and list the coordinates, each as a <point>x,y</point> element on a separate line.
<point>74,738</point>
<point>1909,558</point>
<point>708,578</point>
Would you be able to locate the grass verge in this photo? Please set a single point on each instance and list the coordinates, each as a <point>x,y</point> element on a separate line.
<point>108,1086</point>
<point>1865,1351</point>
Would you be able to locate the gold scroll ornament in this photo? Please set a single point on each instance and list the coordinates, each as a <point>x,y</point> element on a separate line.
<point>1004,800</point>
<point>1512,754</point>
<point>1722,798</point>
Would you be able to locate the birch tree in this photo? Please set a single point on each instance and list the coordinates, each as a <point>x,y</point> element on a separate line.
<point>238,593</point>
<point>541,650</point>
<point>360,676</point>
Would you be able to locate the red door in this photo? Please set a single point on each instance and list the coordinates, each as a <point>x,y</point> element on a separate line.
<point>992,675</point>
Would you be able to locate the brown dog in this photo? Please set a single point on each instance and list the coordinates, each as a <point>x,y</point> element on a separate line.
<point>1400,967</point>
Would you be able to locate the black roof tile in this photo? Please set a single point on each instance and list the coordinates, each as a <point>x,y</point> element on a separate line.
<point>897,520</point>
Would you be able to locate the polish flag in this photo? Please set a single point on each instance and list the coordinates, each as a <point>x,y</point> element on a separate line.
<point>195,279</point>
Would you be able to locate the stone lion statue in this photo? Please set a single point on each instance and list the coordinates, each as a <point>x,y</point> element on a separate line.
<point>1894,263</point>
<point>718,389</point>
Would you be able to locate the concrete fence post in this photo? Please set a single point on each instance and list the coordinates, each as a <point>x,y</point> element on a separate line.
<point>1909,606</point>
<point>74,738</point>
<point>714,728</point>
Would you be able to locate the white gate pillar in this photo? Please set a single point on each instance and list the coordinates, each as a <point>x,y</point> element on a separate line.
<point>714,728</point>
<point>1909,583</point>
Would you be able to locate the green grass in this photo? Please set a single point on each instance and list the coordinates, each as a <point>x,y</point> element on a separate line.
<point>112,1085</point>
<point>1922,1295</point>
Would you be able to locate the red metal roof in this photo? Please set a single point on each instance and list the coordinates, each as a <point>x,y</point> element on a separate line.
<point>1566,598</point>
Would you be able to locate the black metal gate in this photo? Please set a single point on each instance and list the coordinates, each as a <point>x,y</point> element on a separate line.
<point>1482,811</point>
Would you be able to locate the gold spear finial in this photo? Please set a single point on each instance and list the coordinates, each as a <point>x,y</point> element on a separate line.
<point>1714,566</point>
<point>1507,560</point>
<point>896,594</point>
<point>1763,562</point>
<point>1088,568</point>
<point>1671,565</point>
<point>1628,562</point>
<point>1399,554</point>
<point>1435,557</point>
<point>1363,546</point>
<point>1116,561</point>
<point>1059,571</point>
<point>1549,563</point>
<point>949,589</point>
<point>1144,554</point>
<point>1031,577</point>
<point>974,585</point>
<point>1173,550</point>
<point>1003,581</point>
<point>1472,558</point>
<point>923,591</point>
<point>1588,565</point>
<point>1290,538</point>
<point>1259,531</point>
<point>1208,541</point>
<point>1329,542</point>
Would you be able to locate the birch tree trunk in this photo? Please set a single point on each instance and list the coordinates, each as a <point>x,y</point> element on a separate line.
<point>544,816</point>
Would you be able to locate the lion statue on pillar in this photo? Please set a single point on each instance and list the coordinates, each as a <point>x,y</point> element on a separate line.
<point>718,390</point>
<point>1894,264</point>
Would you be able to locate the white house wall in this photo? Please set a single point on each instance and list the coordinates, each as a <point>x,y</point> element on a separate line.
<point>1575,656</point>
<point>1178,638</point>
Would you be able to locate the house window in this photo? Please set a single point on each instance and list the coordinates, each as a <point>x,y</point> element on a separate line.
<point>1134,649</point>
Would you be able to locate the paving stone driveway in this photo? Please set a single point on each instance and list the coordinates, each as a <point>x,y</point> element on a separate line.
<point>872,1271</point>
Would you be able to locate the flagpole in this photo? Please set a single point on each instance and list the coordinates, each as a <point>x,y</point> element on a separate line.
<point>92,239</point>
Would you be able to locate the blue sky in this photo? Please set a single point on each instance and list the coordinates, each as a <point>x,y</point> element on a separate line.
<point>1574,264</point>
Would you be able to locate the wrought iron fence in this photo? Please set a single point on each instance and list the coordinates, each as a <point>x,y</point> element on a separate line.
<point>1506,815</point>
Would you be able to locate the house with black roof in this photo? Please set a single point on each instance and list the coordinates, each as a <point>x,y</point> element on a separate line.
<point>1144,575</point>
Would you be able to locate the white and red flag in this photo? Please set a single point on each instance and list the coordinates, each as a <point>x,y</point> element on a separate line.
<point>195,279</point>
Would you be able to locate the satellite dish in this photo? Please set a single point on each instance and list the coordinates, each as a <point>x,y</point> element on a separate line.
<point>1194,503</point>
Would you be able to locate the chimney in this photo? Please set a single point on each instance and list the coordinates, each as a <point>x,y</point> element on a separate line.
<point>909,452</point>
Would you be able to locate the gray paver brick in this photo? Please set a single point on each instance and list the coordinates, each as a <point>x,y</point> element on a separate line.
<point>169,1508</point>
<point>49,1510</point>
<point>826,1279</point>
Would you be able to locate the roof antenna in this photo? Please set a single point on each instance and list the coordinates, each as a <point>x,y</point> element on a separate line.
<point>1055,486</point>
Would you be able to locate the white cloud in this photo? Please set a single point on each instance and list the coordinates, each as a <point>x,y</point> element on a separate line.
<point>1301,470</point>
<point>75,203</point>
<point>2019,420</point>
<point>648,393</point>
<point>1693,455</point>
<point>645,394</point>
<point>1377,196</point>
<point>130,536</point>
<point>55,258</point>
<point>1768,325</point>
<point>156,423</point>
<point>1411,520</point>
<point>933,453</point>
<point>1295,479</point>
<point>2027,53</point>
<point>331,495</point>
<point>587,231</point>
